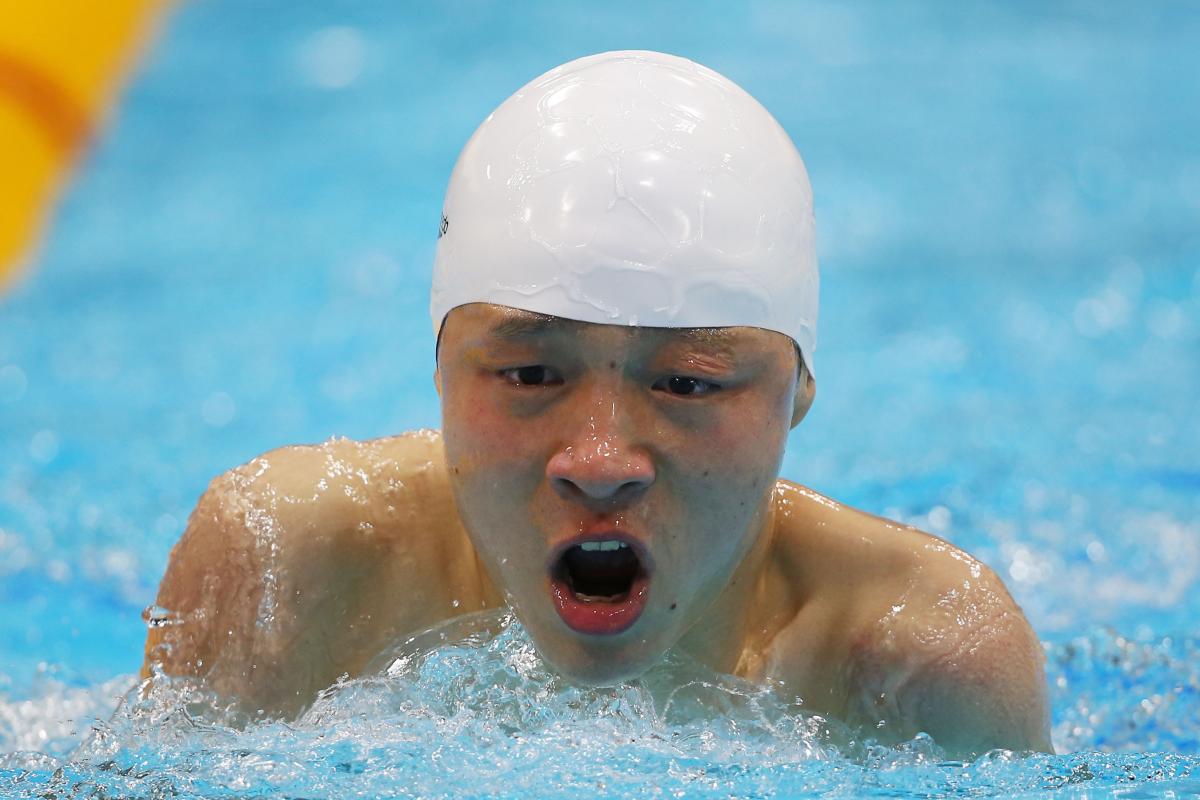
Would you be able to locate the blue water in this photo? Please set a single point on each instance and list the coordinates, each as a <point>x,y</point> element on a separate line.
<point>1008,206</point>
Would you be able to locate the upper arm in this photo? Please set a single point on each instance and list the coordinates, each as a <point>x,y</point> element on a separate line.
<point>299,566</point>
<point>984,686</point>
<point>954,657</point>
<point>210,592</point>
<point>229,605</point>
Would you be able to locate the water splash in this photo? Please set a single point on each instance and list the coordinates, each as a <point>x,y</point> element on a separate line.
<point>468,708</point>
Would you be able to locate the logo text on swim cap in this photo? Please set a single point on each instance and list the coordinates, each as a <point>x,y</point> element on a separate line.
<point>443,227</point>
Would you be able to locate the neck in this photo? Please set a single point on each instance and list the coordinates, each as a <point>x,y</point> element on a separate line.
<point>728,638</point>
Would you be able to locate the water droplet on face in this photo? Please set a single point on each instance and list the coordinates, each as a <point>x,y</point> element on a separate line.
<point>155,616</point>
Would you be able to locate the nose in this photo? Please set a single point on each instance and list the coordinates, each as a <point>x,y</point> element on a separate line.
<point>601,463</point>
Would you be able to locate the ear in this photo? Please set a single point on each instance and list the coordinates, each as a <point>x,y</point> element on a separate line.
<point>806,391</point>
<point>437,381</point>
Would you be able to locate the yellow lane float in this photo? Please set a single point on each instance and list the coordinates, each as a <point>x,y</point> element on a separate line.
<point>60,64</point>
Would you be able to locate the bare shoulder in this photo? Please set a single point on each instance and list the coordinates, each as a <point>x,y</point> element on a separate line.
<point>319,482</point>
<point>847,560</point>
<point>301,564</point>
<point>953,656</point>
<point>927,637</point>
<point>302,509</point>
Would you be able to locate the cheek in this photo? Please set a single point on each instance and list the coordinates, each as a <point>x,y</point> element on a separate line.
<point>724,472</point>
<point>495,469</point>
<point>744,443</point>
<point>479,433</point>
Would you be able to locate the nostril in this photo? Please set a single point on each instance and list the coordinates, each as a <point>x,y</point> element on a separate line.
<point>599,478</point>
<point>632,486</point>
<point>565,486</point>
<point>598,489</point>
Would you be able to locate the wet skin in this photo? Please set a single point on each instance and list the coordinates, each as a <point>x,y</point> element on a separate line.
<point>305,563</point>
<point>554,429</point>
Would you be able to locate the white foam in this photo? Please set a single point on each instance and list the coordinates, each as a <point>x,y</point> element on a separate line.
<point>57,717</point>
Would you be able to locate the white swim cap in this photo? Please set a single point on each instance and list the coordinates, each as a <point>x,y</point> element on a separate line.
<point>632,188</point>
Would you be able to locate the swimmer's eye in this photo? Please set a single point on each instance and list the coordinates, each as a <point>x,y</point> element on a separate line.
<point>536,375</point>
<point>684,386</point>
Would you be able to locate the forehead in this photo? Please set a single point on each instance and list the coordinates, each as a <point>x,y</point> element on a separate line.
<point>503,324</point>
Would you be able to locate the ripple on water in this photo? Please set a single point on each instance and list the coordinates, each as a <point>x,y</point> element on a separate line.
<point>470,709</point>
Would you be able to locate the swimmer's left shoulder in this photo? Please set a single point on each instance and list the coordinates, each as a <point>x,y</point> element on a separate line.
<point>954,656</point>
<point>927,637</point>
<point>820,539</point>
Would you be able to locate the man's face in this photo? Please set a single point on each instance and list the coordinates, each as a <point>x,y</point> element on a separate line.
<point>612,478</point>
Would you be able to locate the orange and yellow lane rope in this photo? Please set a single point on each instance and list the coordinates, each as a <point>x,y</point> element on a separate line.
<point>60,64</point>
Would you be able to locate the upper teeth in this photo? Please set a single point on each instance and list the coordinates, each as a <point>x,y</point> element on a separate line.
<point>607,544</point>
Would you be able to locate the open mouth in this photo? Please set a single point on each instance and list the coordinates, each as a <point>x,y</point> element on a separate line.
<point>599,585</point>
<point>600,571</point>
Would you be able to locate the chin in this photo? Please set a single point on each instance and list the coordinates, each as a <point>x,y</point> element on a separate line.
<point>601,665</point>
<point>597,675</point>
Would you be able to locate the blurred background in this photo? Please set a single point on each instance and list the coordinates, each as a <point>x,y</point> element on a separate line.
<point>219,220</point>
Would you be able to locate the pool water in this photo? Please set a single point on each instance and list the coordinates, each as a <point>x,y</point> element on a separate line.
<point>1008,201</point>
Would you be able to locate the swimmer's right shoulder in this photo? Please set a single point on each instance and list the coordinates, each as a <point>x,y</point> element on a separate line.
<point>299,565</point>
<point>378,482</point>
<point>339,468</point>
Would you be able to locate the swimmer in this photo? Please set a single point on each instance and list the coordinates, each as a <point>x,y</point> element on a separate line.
<point>625,299</point>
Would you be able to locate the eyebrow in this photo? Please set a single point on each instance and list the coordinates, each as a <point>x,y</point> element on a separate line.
<point>717,337</point>
<point>527,324</point>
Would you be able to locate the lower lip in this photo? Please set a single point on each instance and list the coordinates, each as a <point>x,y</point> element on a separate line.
<point>599,618</point>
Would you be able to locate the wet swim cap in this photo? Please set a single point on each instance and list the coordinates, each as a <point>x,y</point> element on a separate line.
<point>632,188</point>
